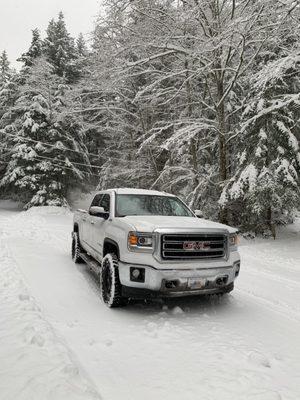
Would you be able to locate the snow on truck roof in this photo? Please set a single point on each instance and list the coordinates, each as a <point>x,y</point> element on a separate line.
<point>140,191</point>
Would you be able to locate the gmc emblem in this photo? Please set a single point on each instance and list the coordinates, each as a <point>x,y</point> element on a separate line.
<point>190,246</point>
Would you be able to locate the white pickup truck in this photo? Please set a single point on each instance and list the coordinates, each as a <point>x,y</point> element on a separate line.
<point>147,244</point>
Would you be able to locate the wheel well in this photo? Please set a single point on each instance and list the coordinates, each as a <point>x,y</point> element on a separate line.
<point>110,247</point>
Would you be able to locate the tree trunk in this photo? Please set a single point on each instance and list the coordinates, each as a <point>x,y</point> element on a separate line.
<point>270,222</point>
<point>223,215</point>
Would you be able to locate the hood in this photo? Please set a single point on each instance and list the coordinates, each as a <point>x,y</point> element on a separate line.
<point>149,223</point>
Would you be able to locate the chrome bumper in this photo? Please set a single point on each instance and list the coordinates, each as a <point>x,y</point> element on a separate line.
<point>177,281</point>
<point>135,293</point>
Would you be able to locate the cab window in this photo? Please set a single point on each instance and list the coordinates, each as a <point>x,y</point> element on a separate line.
<point>96,200</point>
<point>105,202</point>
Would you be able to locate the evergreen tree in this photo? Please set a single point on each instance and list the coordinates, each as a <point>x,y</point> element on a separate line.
<point>266,186</point>
<point>4,68</point>
<point>60,50</point>
<point>8,92</point>
<point>6,77</point>
<point>43,165</point>
<point>82,57</point>
<point>34,51</point>
<point>81,46</point>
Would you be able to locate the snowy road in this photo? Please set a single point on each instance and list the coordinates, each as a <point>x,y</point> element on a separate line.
<point>245,347</point>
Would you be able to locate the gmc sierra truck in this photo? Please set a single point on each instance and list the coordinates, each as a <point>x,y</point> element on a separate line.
<point>147,244</point>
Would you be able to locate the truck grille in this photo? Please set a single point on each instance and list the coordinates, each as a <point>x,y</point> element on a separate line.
<point>193,246</point>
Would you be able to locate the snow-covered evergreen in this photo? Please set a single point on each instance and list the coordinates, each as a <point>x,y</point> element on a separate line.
<point>8,89</point>
<point>46,143</point>
<point>60,49</point>
<point>267,180</point>
<point>34,51</point>
<point>4,68</point>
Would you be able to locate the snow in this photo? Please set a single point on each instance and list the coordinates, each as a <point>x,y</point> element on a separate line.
<point>258,151</point>
<point>293,142</point>
<point>35,361</point>
<point>59,340</point>
<point>248,175</point>
<point>140,191</point>
<point>286,168</point>
<point>275,71</point>
<point>262,134</point>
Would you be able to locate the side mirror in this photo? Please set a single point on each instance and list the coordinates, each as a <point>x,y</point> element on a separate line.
<point>98,212</point>
<point>199,213</point>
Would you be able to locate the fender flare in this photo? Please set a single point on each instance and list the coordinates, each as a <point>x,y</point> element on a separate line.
<point>113,243</point>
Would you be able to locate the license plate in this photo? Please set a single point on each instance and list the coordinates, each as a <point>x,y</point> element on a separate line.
<point>196,283</point>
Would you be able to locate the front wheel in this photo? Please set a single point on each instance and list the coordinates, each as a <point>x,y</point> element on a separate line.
<point>111,288</point>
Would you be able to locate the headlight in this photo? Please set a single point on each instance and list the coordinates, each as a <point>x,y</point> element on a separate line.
<point>233,240</point>
<point>139,241</point>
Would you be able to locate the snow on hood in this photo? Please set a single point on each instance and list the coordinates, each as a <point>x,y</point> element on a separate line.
<point>149,223</point>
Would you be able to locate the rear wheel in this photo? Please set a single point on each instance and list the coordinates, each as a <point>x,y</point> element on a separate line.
<point>76,248</point>
<point>111,288</point>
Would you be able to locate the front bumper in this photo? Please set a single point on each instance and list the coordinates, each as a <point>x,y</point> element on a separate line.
<point>138,293</point>
<point>177,282</point>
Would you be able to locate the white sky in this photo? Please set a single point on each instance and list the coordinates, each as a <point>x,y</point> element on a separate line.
<point>19,17</point>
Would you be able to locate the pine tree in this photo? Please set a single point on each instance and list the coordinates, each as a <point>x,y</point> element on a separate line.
<point>43,165</point>
<point>80,63</point>
<point>4,68</point>
<point>81,46</point>
<point>60,50</point>
<point>34,51</point>
<point>266,186</point>
<point>6,76</point>
<point>8,92</point>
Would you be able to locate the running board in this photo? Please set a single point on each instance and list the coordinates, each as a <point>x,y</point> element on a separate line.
<point>92,264</point>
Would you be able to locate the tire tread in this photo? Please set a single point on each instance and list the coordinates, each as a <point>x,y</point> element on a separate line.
<point>117,300</point>
<point>77,250</point>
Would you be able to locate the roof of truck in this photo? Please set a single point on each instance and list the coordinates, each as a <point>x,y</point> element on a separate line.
<point>140,191</point>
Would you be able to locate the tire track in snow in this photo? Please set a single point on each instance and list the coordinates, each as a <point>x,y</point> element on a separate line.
<point>251,267</point>
<point>284,309</point>
<point>270,254</point>
<point>35,363</point>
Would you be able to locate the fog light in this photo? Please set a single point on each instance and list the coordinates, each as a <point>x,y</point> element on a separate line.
<point>222,280</point>
<point>137,274</point>
<point>171,284</point>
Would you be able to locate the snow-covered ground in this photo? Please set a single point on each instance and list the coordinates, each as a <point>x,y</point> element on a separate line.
<point>58,341</point>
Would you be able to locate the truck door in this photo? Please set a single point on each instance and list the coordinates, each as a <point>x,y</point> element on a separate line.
<point>87,224</point>
<point>98,227</point>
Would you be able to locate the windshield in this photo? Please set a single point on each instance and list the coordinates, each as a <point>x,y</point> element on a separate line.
<point>138,204</point>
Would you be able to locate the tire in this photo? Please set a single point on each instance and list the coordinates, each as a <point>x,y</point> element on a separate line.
<point>111,288</point>
<point>76,249</point>
<point>229,288</point>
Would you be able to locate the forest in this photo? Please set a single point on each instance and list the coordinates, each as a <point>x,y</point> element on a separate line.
<point>200,98</point>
